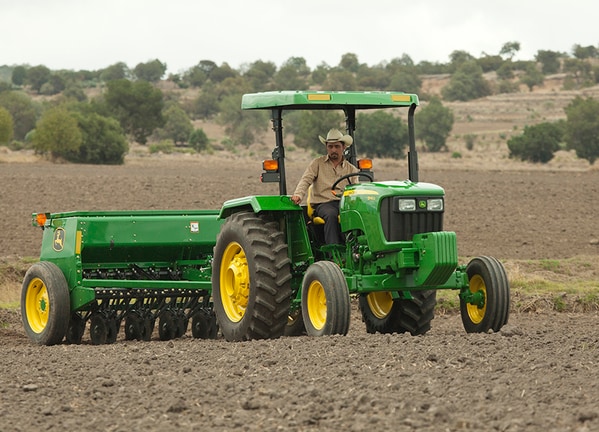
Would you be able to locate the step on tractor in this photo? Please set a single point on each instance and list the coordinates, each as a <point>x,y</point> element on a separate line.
<point>258,268</point>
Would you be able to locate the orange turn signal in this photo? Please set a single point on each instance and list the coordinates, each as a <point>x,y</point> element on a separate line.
<point>365,164</point>
<point>270,165</point>
<point>41,218</point>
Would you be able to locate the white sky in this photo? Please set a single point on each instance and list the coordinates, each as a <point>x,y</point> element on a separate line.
<point>84,34</point>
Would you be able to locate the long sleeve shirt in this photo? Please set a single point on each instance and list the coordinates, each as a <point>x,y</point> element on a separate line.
<point>321,173</point>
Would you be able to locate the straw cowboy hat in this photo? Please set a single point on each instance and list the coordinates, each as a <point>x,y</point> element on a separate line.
<point>335,135</point>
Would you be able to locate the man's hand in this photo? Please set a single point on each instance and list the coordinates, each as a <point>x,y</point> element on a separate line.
<point>296,199</point>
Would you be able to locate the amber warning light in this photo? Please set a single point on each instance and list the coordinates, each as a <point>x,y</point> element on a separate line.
<point>41,219</point>
<point>271,174</point>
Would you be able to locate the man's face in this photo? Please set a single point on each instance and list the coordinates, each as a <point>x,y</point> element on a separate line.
<point>335,150</point>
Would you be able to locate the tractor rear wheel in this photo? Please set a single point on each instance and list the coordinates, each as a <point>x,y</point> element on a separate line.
<point>45,303</point>
<point>326,306</point>
<point>251,279</point>
<point>381,313</point>
<point>487,278</point>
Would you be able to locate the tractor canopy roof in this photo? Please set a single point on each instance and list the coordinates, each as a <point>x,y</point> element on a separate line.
<point>309,99</point>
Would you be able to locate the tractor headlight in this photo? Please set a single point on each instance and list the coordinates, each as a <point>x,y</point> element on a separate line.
<point>406,205</point>
<point>434,204</point>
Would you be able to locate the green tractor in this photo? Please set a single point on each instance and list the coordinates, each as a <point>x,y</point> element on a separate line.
<point>258,268</point>
<point>273,275</point>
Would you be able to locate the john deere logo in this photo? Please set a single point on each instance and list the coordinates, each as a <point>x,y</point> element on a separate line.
<point>422,204</point>
<point>58,243</point>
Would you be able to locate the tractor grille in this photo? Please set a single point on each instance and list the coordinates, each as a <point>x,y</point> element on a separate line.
<point>401,226</point>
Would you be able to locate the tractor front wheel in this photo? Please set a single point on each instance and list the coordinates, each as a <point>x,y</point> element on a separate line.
<point>486,305</point>
<point>326,306</point>
<point>45,304</point>
<point>381,313</point>
<point>251,278</point>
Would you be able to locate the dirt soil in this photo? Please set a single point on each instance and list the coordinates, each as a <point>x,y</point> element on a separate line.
<point>539,373</point>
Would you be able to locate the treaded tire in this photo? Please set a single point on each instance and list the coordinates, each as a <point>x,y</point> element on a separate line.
<point>45,304</point>
<point>251,278</point>
<point>412,316</point>
<point>488,275</point>
<point>326,305</point>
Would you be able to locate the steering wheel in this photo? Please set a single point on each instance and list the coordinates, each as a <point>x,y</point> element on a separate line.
<point>368,175</point>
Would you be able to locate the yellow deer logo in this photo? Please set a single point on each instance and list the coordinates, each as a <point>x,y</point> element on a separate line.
<point>59,236</point>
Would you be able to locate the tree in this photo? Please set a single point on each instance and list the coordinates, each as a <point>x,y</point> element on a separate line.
<point>579,73</point>
<point>582,128</point>
<point>57,133</point>
<point>434,124</point>
<point>138,107</point>
<point>6,126</point>
<point>458,58</point>
<point>103,141</point>
<point>537,143</point>
<point>550,61</point>
<point>381,134</point>
<point>466,83</point>
<point>23,112</point>
<point>586,52</point>
<point>532,77</point>
<point>260,75</point>
<point>116,71</point>
<point>37,76</point>
<point>19,75</point>
<point>205,106</point>
<point>510,49</point>
<point>198,140</point>
<point>407,80</point>
<point>307,125</point>
<point>341,80</point>
<point>349,62</point>
<point>177,125</point>
<point>151,71</point>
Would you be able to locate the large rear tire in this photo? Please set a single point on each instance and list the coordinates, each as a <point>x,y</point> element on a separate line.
<point>382,314</point>
<point>326,306</point>
<point>487,277</point>
<point>251,278</point>
<point>45,304</point>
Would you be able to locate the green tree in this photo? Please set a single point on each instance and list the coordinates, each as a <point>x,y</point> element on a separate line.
<point>19,75</point>
<point>537,143</point>
<point>550,61</point>
<point>532,77</point>
<point>241,126</point>
<point>434,124</point>
<point>23,111</point>
<point>205,106</point>
<point>320,73</point>
<point>37,76</point>
<point>341,80</point>
<point>457,58</point>
<point>293,74</point>
<point>349,62</point>
<point>490,63</point>
<point>582,128</point>
<point>579,73</point>
<point>466,83</point>
<point>406,80</point>
<point>381,134</point>
<point>260,75</point>
<point>6,126</point>
<point>138,107</point>
<point>510,49</point>
<point>116,71</point>
<point>57,133</point>
<point>586,52</point>
<point>221,73</point>
<point>198,140</point>
<point>103,141</point>
<point>151,71</point>
<point>177,125</point>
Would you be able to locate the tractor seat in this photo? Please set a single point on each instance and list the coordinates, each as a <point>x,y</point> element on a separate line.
<point>316,220</point>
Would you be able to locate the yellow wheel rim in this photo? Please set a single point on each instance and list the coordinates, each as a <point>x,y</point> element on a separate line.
<point>317,305</point>
<point>234,282</point>
<point>476,313</point>
<point>380,303</point>
<point>37,305</point>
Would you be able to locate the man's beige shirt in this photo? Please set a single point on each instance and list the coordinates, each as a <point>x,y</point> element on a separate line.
<point>321,173</point>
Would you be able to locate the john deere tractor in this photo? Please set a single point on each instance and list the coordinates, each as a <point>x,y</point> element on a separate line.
<point>258,268</point>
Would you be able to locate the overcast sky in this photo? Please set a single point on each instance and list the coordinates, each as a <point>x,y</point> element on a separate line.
<point>83,34</point>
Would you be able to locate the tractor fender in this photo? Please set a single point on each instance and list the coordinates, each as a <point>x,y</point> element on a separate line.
<point>258,203</point>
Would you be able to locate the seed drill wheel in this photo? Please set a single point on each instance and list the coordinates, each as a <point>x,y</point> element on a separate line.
<point>45,304</point>
<point>103,328</point>
<point>203,325</point>
<point>488,280</point>
<point>326,306</point>
<point>76,329</point>
<point>295,324</point>
<point>381,313</point>
<point>251,278</point>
